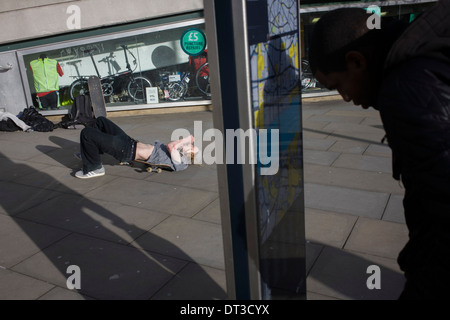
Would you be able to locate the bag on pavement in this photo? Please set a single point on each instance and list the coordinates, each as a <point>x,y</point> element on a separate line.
<point>80,113</point>
<point>36,120</point>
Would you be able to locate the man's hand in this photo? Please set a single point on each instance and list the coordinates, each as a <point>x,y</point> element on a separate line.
<point>189,140</point>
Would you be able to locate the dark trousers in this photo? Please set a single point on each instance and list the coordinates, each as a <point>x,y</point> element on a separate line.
<point>49,101</point>
<point>105,137</point>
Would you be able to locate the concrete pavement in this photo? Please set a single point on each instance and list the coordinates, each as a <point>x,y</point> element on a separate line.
<point>137,235</point>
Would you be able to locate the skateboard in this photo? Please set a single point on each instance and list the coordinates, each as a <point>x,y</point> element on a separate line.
<point>97,98</point>
<point>150,167</point>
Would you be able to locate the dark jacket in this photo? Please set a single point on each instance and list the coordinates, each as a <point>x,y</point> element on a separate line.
<point>414,104</point>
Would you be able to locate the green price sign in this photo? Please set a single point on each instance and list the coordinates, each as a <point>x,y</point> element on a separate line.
<point>193,42</point>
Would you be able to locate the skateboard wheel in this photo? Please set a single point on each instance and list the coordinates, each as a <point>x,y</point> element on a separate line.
<point>125,163</point>
<point>159,170</point>
<point>149,169</point>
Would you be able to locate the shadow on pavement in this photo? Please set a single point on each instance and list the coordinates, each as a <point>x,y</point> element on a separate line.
<point>69,229</point>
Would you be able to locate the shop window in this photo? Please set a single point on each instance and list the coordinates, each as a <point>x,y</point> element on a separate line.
<point>148,67</point>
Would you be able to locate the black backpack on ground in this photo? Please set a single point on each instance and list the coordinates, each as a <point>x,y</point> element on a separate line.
<point>36,120</point>
<point>80,113</point>
<point>8,125</point>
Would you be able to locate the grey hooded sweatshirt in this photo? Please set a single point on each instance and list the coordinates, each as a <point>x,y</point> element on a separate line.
<point>161,155</point>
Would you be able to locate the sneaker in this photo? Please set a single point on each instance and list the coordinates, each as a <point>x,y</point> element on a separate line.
<point>90,174</point>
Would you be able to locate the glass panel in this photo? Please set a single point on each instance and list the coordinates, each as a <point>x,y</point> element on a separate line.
<point>177,75</point>
<point>405,11</point>
<point>276,99</point>
<point>127,66</point>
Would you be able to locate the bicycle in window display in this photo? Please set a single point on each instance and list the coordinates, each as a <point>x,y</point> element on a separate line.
<point>202,79</point>
<point>136,85</point>
<point>308,80</point>
<point>174,87</point>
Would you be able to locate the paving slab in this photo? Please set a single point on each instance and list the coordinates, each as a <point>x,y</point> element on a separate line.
<point>15,286</point>
<point>316,296</point>
<point>107,270</point>
<point>335,118</point>
<point>377,237</point>
<point>26,151</point>
<point>33,137</point>
<point>352,178</point>
<point>200,177</point>
<point>62,179</point>
<point>15,198</point>
<point>59,157</point>
<point>186,239</point>
<point>20,239</point>
<point>364,163</point>
<point>313,251</point>
<point>154,196</point>
<point>355,112</point>
<point>11,170</point>
<point>357,136</point>
<point>58,293</point>
<point>317,144</point>
<point>372,119</point>
<point>198,279</point>
<point>211,213</point>
<point>345,200</point>
<point>353,130</point>
<point>101,219</point>
<point>324,158</point>
<point>328,228</point>
<point>314,131</point>
<point>395,211</point>
<point>379,150</point>
<point>349,146</point>
<point>311,110</point>
<point>344,275</point>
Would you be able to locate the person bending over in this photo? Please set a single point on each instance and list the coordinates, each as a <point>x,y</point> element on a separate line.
<point>403,71</point>
<point>106,137</point>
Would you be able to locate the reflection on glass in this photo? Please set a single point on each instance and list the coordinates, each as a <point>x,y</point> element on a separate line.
<point>311,11</point>
<point>127,66</point>
<point>276,100</point>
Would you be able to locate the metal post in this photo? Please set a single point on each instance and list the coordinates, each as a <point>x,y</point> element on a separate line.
<point>262,213</point>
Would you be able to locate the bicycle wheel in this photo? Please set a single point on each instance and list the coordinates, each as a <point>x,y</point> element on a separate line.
<point>78,87</point>
<point>177,90</point>
<point>136,88</point>
<point>202,79</point>
<point>107,88</point>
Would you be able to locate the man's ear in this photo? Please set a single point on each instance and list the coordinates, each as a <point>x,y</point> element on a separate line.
<point>355,60</point>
